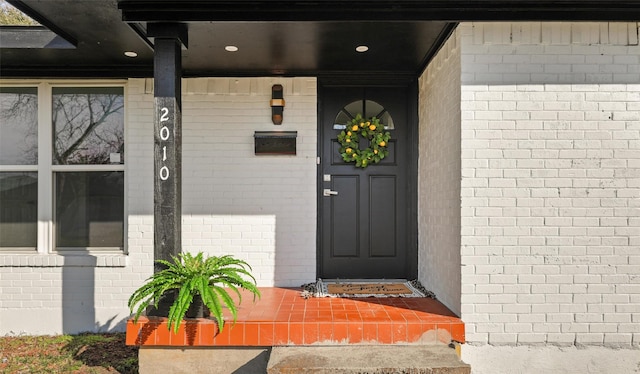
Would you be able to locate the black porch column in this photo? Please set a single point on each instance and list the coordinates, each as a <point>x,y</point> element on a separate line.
<point>167,212</point>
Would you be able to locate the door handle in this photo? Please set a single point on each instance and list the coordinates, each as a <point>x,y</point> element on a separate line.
<point>328,192</point>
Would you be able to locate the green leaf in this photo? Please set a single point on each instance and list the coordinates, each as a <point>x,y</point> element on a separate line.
<point>212,301</point>
<point>195,275</point>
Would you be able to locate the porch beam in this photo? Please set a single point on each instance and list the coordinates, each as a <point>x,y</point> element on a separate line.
<point>380,10</point>
<point>167,73</point>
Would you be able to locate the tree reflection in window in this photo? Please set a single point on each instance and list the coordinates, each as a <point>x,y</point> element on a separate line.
<point>18,126</point>
<point>88,125</point>
<point>19,183</point>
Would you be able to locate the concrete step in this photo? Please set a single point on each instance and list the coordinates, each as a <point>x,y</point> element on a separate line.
<point>381,359</point>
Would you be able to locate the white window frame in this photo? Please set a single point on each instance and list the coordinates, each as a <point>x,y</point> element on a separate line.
<point>46,243</point>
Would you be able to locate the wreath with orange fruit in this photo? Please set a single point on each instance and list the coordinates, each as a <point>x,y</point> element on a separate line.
<point>369,129</point>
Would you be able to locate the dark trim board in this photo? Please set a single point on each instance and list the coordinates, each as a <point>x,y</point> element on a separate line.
<point>84,72</point>
<point>359,79</point>
<point>381,10</point>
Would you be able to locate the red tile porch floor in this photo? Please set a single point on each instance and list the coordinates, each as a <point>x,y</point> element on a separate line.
<point>283,317</point>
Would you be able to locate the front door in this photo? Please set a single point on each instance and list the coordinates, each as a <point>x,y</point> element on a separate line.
<point>364,223</point>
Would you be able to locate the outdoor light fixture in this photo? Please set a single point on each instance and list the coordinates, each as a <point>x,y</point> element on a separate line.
<point>131,54</point>
<point>277,104</point>
<point>231,48</point>
<point>362,48</point>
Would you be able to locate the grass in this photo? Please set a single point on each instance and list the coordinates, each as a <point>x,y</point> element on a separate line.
<point>83,353</point>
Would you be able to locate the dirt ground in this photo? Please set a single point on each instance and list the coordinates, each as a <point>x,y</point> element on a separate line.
<point>84,353</point>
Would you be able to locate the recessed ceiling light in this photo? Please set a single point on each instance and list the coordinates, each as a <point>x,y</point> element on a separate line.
<point>130,54</point>
<point>362,48</point>
<point>231,48</point>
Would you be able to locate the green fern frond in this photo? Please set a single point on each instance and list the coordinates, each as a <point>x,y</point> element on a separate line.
<point>212,301</point>
<point>228,301</point>
<point>181,304</point>
<point>208,277</point>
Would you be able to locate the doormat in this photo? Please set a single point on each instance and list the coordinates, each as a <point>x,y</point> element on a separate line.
<point>365,288</point>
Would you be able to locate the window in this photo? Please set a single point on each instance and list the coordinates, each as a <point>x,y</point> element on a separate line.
<point>18,168</point>
<point>18,210</point>
<point>78,174</point>
<point>88,129</point>
<point>368,109</point>
<point>89,209</point>
<point>88,126</point>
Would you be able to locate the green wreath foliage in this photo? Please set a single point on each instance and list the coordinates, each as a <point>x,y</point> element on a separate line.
<point>366,128</point>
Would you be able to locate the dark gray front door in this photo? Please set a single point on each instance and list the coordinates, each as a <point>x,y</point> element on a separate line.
<point>363,222</point>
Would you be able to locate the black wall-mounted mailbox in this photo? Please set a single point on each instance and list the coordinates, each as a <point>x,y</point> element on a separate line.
<point>275,142</point>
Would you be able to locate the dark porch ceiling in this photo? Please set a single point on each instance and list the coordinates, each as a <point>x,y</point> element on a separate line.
<point>276,37</point>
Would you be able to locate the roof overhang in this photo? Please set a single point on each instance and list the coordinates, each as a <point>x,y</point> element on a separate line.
<point>274,37</point>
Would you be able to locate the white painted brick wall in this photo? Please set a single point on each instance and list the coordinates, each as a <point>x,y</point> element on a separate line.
<point>261,209</point>
<point>439,176</point>
<point>258,208</point>
<point>551,183</point>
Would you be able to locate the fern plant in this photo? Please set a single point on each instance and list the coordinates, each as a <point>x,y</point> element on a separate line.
<point>189,275</point>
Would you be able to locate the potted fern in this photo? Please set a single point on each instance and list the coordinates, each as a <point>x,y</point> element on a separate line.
<point>191,278</point>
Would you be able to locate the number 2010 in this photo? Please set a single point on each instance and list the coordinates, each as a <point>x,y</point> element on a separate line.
<point>164,135</point>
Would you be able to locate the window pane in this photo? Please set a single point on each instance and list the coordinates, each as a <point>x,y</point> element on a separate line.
<point>355,107</point>
<point>88,125</point>
<point>374,109</point>
<point>89,209</point>
<point>340,123</point>
<point>18,125</point>
<point>371,109</point>
<point>387,121</point>
<point>18,210</point>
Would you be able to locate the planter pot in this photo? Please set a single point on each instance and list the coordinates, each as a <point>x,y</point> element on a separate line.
<point>197,309</point>
<point>164,304</point>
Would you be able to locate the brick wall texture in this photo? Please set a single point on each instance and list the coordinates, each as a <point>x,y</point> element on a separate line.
<point>550,189</point>
<point>439,176</point>
<point>258,208</point>
<point>235,202</point>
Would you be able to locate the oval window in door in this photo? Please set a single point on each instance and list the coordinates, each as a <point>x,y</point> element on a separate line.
<point>368,109</point>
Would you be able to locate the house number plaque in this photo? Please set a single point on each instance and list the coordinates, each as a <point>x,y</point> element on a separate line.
<point>165,134</point>
<point>166,139</point>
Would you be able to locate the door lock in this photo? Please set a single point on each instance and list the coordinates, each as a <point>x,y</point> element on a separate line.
<point>328,192</point>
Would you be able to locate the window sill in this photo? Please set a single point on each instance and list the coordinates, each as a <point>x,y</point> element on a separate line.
<point>67,260</point>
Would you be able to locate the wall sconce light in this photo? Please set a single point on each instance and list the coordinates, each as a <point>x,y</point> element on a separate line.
<point>277,104</point>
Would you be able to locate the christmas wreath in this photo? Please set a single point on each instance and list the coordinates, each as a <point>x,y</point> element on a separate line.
<point>370,129</point>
